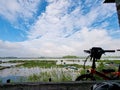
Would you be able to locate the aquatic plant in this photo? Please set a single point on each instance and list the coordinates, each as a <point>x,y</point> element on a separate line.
<point>54,75</point>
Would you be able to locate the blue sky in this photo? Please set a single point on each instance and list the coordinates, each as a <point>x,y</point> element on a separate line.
<point>31,28</point>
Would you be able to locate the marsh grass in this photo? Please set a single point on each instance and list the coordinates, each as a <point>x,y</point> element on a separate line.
<point>55,74</point>
<point>35,63</point>
<point>46,64</point>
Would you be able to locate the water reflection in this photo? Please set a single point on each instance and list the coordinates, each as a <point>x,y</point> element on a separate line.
<point>8,64</point>
<point>13,79</point>
<point>17,74</point>
<point>79,62</point>
<point>20,71</point>
<point>20,74</point>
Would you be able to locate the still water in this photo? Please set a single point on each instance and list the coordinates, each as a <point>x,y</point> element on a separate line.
<point>19,74</point>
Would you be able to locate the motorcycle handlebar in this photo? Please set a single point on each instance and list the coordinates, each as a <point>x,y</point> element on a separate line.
<point>96,52</point>
<point>118,49</point>
<point>89,51</point>
<point>109,50</point>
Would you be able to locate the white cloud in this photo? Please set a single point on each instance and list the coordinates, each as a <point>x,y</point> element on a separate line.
<point>53,34</point>
<point>74,45</point>
<point>58,32</point>
<point>8,9</point>
<point>14,9</point>
<point>57,19</point>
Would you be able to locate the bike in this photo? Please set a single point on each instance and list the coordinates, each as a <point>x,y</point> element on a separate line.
<point>94,54</point>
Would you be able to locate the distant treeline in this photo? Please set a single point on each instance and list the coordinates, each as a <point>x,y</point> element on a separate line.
<point>8,57</point>
<point>69,56</point>
<point>111,56</point>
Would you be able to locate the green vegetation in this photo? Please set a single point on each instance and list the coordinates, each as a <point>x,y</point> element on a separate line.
<point>75,65</point>
<point>54,76</point>
<point>61,75</point>
<point>37,63</point>
<point>42,64</point>
<point>109,61</point>
<point>17,61</point>
<point>69,56</point>
<point>103,64</point>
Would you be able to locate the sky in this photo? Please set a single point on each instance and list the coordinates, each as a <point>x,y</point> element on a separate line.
<point>55,28</point>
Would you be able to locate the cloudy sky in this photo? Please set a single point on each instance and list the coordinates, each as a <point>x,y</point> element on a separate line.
<point>31,28</point>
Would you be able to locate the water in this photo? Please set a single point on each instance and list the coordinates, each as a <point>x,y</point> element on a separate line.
<point>79,62</point>
<point>20,71</point>
<point>19,74</point>
<point>8,64</point>
<point>13,79</point>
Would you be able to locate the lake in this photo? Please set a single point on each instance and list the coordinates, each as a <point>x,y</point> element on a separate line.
<point>19,74</point>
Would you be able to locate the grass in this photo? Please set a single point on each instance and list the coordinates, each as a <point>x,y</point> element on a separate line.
<point>109,61</point>
<point>35,63</point>
<point>56,75</point>
<point>102,64</point>
<point>42,64</point>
